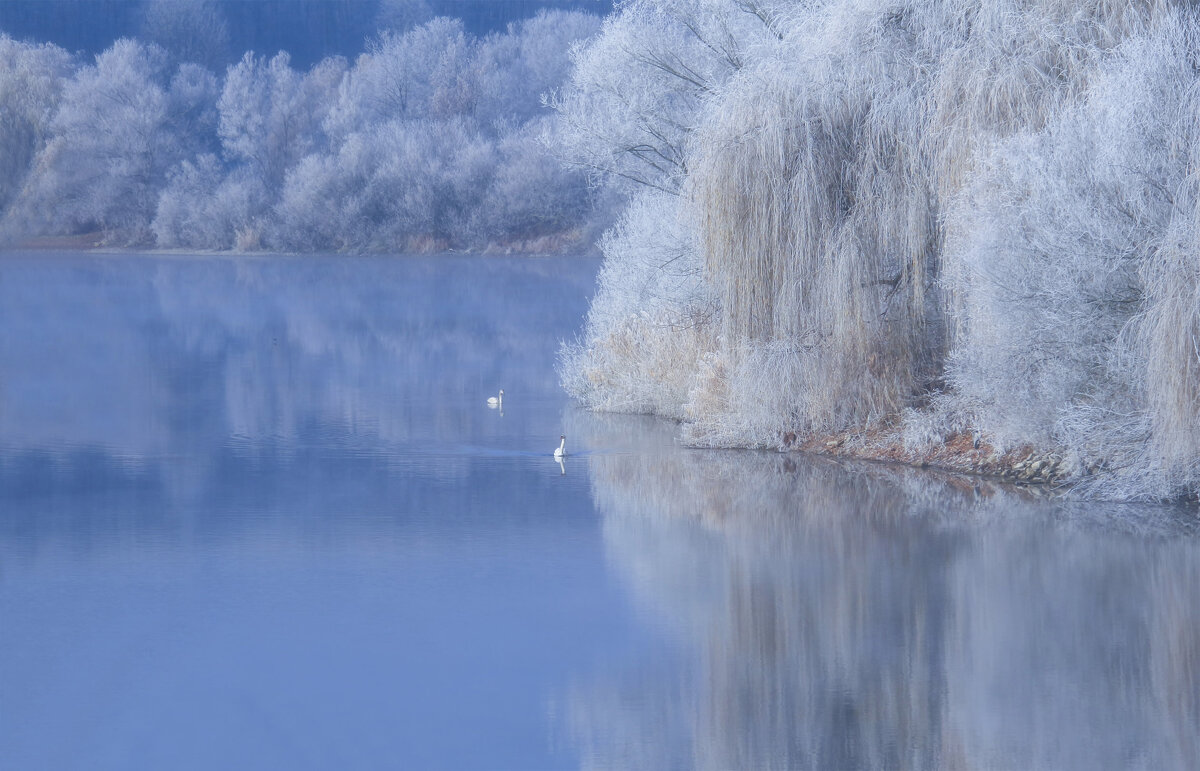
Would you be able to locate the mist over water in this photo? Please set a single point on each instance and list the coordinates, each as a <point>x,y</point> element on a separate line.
<point>257,512</point>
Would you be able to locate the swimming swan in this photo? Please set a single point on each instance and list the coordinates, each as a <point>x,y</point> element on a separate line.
<point>561,450</point>
<point>496,401</point>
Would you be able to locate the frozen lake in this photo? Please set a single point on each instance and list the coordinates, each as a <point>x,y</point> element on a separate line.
<point>256,513</point>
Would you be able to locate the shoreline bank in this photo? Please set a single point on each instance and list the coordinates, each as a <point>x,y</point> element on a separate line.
<point>1024,465</point>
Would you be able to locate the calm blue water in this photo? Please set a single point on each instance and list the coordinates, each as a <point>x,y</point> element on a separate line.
<point>255,513</point>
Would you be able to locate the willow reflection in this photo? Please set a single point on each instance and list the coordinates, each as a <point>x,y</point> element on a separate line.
<point>880,617</point>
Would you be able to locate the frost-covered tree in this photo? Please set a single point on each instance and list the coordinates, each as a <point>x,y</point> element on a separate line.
<point>113,138</point>
<point>269,118</point>
<point>427,151</point>
<point>399,150</point>
<point>638,89</point>
<point>271,115</point>
<point>31,78</point>
<point>1080,279</point>
<point>205,205</point>
<point>530,196</point>
<point>517,68</point>
<point>404,185</point>
<point>627,116</point>
<point>975,214</point>
<point>652,316</point>
<point>420,73</point>
<point>192,109</point>
<point>379,189</point>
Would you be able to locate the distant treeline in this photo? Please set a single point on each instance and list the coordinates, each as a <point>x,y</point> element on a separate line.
<point>430,139</point>
<point>309,30</point>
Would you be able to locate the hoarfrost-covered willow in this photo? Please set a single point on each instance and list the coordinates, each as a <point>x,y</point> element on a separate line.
<point>917,218</point>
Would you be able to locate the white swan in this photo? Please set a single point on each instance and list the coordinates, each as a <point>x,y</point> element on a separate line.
<point>561,450</point>
<point>496,401</point>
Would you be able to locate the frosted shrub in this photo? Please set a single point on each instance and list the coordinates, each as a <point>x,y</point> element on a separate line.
<point>30,85</point>
<point>271,115</point>
<point>651,320</point>
<point>1080,292</point>
<point>530,194</point>
<point>111,142</point>
<point>376,188</point>
<point>423,153</point>
<point>515,69</point>
<point>398,151</point>
<point>1169,340</point>
<point>204,207</point>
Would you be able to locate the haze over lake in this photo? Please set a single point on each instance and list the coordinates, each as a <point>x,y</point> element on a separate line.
<point>256,512</point>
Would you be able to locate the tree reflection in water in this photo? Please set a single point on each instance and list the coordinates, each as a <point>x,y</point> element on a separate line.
<point>861,615</point>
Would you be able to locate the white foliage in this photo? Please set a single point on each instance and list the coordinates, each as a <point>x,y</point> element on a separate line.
<point>31,79</point>
<point>205,207</point>
<point>515,69</point>
<point>401,150</point>
<point>651,319</point>
<point>423,72</point>
<point>978,214</point>
<point>1080,275</point>
<point>111,145</point>
<point>192,109</point>
<point>638,89</point>
<point>271,115</point>
<point>432,146</point>
<point>530,195</point>
<point>405,185</point>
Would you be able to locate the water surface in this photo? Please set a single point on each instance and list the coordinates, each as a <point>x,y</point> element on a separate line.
<point>256,513</point>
